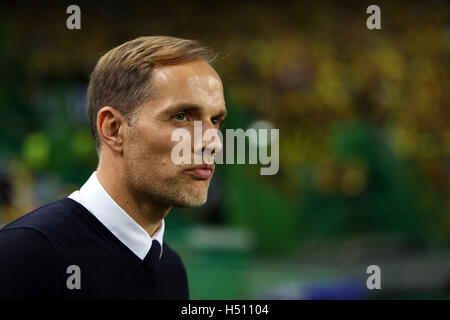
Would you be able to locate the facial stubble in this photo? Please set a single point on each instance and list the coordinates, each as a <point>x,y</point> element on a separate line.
<point>165,187</point>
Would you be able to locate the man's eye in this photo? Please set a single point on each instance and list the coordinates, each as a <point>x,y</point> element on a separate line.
<point>180,116</point>
<point>218,123</point>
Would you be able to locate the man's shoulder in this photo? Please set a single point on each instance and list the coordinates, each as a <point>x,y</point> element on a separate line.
<point>167,250</point>
<point>49,217</point>
<point>28,266</point>
<point>171,257</point>
<point>174,272</point>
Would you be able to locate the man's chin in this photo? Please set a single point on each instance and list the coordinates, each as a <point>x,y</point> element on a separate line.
<point>191,203</point>
<point>193,199</point>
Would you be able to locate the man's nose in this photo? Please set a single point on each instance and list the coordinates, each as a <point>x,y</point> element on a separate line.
<point>211,140</point>
<point>215,144</point>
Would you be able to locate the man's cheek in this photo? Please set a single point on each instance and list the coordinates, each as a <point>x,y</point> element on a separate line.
<point>160,145</point>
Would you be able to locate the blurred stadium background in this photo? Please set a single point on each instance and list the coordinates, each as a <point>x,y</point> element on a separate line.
<point>364,125</point>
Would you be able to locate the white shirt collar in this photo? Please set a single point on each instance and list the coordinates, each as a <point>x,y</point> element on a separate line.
<point>94,197</point>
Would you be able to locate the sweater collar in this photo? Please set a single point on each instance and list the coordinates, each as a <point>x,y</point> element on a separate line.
<point>94,197</point>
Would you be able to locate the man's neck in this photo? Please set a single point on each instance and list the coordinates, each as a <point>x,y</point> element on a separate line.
<point>148,215</point>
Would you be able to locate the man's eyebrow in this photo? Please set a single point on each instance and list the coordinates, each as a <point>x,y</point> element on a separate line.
<point>222,114</point>
<point>186,106</point>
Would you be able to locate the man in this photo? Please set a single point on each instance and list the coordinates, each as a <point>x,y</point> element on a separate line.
<point>105,241</point>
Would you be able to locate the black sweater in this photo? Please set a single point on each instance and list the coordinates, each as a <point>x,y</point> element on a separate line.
<point>37,249</point>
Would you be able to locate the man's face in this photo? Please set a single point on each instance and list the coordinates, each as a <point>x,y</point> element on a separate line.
<point>184,93</point>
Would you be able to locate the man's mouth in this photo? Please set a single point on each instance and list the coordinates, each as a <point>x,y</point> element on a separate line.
<point>202,172</point>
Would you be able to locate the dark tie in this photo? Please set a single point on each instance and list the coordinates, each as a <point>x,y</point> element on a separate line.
<point>152,257</point>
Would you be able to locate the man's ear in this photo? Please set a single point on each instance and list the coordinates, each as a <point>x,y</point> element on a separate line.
<point>110,127</point>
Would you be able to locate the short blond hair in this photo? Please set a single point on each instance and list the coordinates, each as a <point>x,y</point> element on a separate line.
<point>122,77</point>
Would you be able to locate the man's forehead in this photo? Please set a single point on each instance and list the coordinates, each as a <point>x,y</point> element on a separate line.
<point>195,73</point>
<point>196,82</point>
